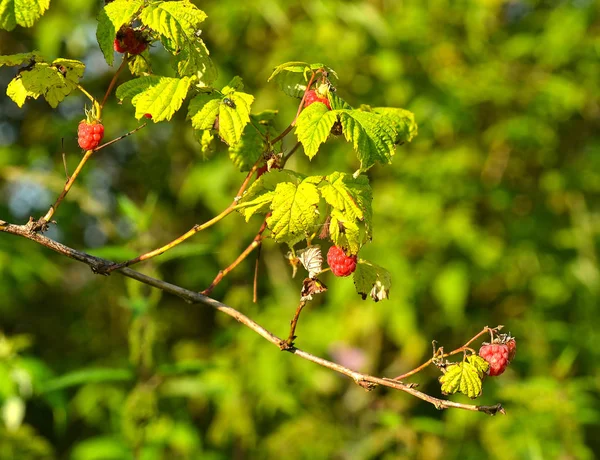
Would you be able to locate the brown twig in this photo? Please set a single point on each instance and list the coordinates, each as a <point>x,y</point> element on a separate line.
<point>113,81</point>
<point>223,273</point>
<point>293,323</point>
<point>143,125</point>
<point>255,283</point>
<point>366,381</point>
<point>105,270</point>
<point>485,330</point>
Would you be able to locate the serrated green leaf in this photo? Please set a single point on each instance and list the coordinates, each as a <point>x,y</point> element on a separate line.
<point>177,22</point>
<point>203,110</point>
<point>373,280</point>
<point>313,127</point>
<point>337,103</point>
<point>371,134</point>
<point>292,84</point>
<point>161,97</point>
<point>110,19</point>
<point>194,59</point>
<point>300,67</point>
<point>402,121</point>
<point>236,84</point>
<point>258,198</point>
<point>18,59</point>
<point>252,144</point>
<point>343,232</point>
<point>232,120</point>
<point>294,212</point>
<point>21,12</point>
<point>53,81</point>
<point>139,65</point>
<point>352,196</point>
<point>479,363</point>
<point>462,377</point>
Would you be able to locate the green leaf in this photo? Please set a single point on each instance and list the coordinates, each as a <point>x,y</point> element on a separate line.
<point>161,97</point>
<point>259,196</point>
<point>21,12</point>
<point>233,119</point>
<point>91,375</point>
<point>292,77</point>
<point>343,232</point>
<point>336,102</point>
<point>462,377</point>
<point>54,81</point>
<point>204,109</point>
<point>402,121</point>
<point>139,65</point>
<point>292,84</point>
<point>371,134</point>
<point>252,144</point>
<point>195,59</point>
<point>479,363</point>
<point>300,67</point>
<point>352,196</point>
<point>294,212</point>
<point>110,19</point>
<point>178,24</point>
<point>18,59</point>
<point>313,127</point>
<point>373,280</point>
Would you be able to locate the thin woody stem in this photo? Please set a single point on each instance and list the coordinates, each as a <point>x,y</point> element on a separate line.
<point>290,341</point>
<point>365,381</point>
<point>255,283</point>
<point>445,355</point>
<point>301,106</point>
<point>66,189</point>
<point>113,82</point>
<point>156,252</point>
<point>223,273</point>
<point>191,232</point>
<point>143,125</point>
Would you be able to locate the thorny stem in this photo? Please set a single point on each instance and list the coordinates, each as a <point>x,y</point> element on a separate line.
<point>485,330</point>
<point>191,232</point>
<point>366,381</point>
<point>256,242</point>
<point>113,82</point>
<point>289,343</point>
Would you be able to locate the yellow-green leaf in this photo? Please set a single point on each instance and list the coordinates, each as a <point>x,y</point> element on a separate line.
<point>462,377</point>
<point>18,59</point>
<point>21,12</point>
<point>373,280</point>
<point>161,97</point>
<point>313,127</point>
<point>294,212</point>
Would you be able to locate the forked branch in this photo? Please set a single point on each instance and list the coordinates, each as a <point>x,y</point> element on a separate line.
<point>366,381</point>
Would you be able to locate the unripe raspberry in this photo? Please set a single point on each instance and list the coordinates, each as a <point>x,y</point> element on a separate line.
<point>496,354</point>
<point>340,263</point>
<point>312,96</point>
<point>89,135</point>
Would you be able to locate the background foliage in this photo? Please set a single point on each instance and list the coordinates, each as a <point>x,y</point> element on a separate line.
<point>490,216</point>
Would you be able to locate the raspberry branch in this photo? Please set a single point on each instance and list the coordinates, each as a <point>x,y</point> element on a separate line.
<point>438,356</point>
<point>113,81</point>
<point>289,343</point>
<point>105,270</point>
<point>256,242</point>
<point>368,382</point>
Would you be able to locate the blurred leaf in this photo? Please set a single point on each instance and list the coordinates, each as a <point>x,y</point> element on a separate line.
<point>83,376</point>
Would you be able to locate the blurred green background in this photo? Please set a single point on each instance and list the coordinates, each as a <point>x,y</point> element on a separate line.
<point>491,216</point>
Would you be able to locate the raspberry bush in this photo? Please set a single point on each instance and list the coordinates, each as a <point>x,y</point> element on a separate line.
<point>290,207</point>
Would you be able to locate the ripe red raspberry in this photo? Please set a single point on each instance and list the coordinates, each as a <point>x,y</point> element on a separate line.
<point>148,116</point>
<point>340,263</point>
<point>312,96</point>
<point>496,354</point>
<point>89,135</point>
<point>130,41</point>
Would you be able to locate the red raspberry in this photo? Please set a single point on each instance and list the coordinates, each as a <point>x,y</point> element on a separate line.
<point>89,135</point>
<point>312,96</point>
<point>340,263</point>
<point>496,354</point>
<point>130,41</point>
<point>148,116</point>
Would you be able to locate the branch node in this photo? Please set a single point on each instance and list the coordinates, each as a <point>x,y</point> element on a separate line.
<point>360,381</point>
